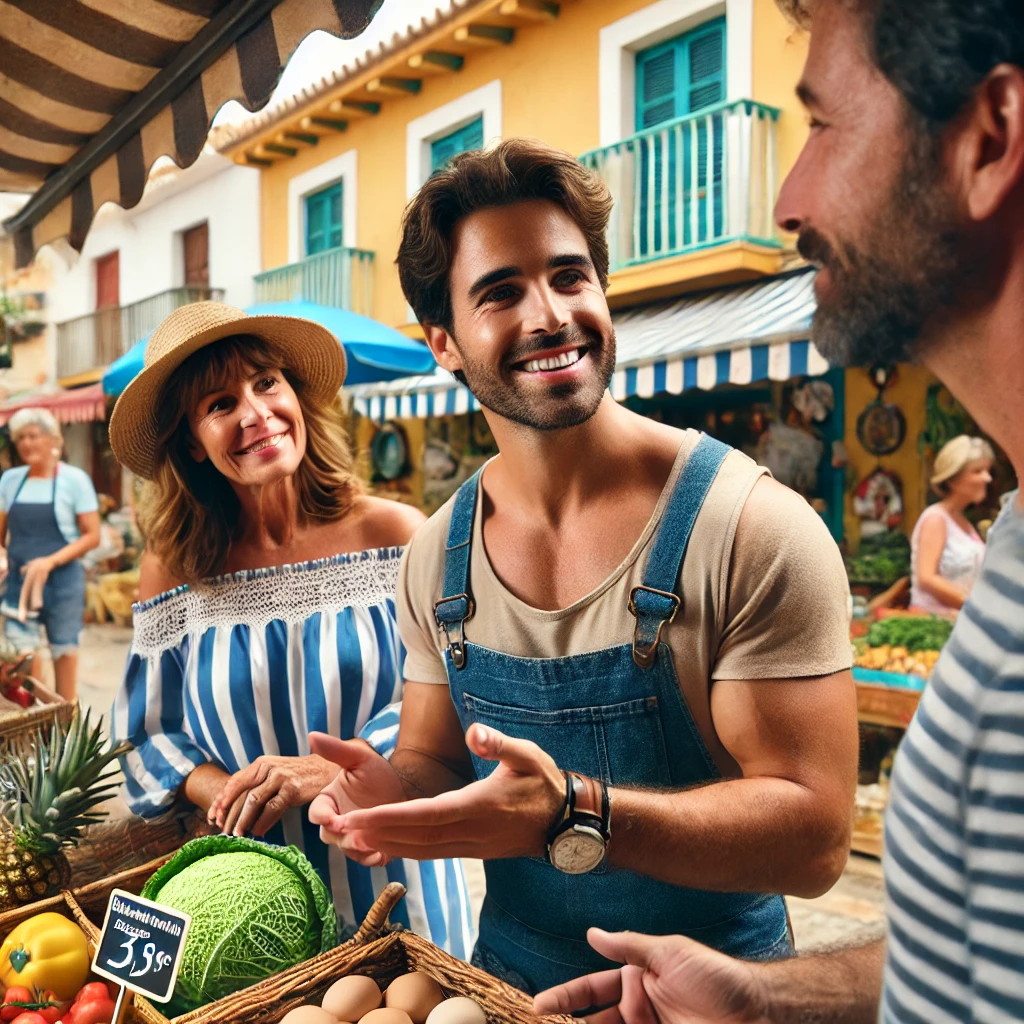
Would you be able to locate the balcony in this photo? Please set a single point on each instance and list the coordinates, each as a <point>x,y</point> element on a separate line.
<point>342,278</point>
<point>89,343</point>
<point>693,201</point>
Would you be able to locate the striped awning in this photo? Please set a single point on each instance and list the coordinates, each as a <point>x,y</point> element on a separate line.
<point>730,336</point>
<point>77,405</point>
<point>93,92</point>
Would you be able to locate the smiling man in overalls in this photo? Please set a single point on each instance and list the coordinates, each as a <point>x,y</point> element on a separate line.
<point>648,720</point>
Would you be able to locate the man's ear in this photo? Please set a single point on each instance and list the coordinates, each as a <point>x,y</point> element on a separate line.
<point>992,147</point>
<point>442,347</point>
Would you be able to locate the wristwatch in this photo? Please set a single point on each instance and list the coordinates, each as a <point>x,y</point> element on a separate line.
<point>579,840</point>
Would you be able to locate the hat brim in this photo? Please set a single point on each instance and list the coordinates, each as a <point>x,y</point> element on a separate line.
<point>312,353</point>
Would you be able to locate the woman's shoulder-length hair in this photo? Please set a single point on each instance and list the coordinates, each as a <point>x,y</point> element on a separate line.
<point>189,512</point>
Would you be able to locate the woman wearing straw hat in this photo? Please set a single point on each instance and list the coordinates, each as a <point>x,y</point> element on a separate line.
<point>267,595</point>
<point>48,519</point>
<point>946,550</point>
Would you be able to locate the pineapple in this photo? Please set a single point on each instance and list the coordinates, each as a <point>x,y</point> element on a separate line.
<point>46,800</point>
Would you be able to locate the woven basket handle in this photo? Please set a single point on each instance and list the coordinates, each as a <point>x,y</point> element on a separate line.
<point>377,919</point>
<point>92,933</point>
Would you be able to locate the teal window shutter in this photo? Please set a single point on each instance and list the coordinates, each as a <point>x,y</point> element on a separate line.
<point>681,75</point>
<point>470,136</point>
<point>677,78</point>
<point>323,220</point>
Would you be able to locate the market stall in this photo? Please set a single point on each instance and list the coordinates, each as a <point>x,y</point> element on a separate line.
<point>265,952</point>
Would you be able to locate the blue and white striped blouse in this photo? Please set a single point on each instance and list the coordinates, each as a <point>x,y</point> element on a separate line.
<point>250,664</point>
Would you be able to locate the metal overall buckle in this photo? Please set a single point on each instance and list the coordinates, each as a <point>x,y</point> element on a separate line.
<point>457,647</point>
<point>645,656</point>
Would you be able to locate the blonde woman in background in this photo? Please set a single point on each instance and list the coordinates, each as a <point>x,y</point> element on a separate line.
<point>49,519</point>
<point>946,549</point>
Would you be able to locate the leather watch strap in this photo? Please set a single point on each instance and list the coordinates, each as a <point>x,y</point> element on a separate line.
<point>589,796</point>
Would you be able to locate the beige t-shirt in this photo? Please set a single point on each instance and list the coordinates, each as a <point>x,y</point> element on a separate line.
<point>772,607</point>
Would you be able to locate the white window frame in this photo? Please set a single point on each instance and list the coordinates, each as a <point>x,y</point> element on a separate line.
<point>485,102</point>
<point>620,41</point>
<point>340,168</point>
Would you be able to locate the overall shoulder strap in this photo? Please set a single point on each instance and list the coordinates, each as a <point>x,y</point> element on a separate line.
<point>456,604</point>
<point>654,603</point>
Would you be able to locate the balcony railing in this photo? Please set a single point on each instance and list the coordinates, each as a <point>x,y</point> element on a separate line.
<point>337,277</point>
<point>97,339</point>
<point>697,181</point>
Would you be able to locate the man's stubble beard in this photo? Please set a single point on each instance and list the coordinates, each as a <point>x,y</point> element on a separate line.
<point>568,405</point>
<point>885,292</point>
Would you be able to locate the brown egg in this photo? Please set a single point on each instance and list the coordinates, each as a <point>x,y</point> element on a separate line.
<point>417,994</point>
<point>308,1015</point>
<point>460,1010</point>
<point>352,997</point>
<point>385,1015</point>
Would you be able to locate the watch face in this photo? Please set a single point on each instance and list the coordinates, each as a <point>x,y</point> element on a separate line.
<point>577,851</point>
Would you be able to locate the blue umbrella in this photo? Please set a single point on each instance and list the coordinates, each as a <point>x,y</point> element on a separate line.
<point>374,352</point>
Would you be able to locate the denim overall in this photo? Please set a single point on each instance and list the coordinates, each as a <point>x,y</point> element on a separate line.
<point>618,715</point>
<point>35,533</point>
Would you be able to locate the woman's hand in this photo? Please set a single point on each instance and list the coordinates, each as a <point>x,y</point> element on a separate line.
<point>255,798</point>
<point>35,575</point>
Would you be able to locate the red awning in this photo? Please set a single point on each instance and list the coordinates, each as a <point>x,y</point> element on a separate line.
<point>79,405</point>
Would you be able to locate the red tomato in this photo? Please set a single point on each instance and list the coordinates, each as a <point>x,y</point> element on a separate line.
<point>17,994</point>
<point>30,1017</point>
<point>96,1011</point>
<point>93,991</point>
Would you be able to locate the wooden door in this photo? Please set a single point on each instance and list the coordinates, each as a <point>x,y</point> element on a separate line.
<point>108,315</point>
<point>196,243</point>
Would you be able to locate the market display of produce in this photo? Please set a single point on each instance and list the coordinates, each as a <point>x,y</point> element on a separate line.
<point>881,559</point>
<point>906,645</point>
<point>47,797</point>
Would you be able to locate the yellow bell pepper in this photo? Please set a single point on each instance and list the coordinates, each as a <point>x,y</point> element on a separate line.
<point>47,951</point>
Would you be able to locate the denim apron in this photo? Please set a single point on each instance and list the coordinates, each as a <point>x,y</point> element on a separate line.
<point>616,714</point>
<point>35,533</point>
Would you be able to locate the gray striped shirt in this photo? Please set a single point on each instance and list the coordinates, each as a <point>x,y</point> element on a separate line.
<point>954,858</point>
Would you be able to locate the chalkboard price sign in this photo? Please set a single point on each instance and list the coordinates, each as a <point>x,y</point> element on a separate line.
<point>141,944</point>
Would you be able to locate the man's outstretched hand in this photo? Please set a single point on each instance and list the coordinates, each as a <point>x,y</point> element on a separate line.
<point>508,814</point>
<point>666,980</point>
<point>365,779</point>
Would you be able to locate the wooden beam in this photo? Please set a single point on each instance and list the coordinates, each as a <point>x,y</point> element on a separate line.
<point>390,86</point>
<point>529,10</point>
<point>436,62</point>
<point>485,35</point>
<point>258,161</point>
<point>355,108</point>
<point>276,147</point>
<point>325,122</point>
<point>303,137</point>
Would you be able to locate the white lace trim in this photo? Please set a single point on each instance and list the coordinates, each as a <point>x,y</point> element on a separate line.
<point>257,597</point>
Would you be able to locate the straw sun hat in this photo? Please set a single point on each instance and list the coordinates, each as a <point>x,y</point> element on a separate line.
<point>312,354</point>
<point>956,455</point>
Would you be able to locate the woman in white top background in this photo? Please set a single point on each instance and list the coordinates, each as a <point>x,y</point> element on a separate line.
<point>946,549</point>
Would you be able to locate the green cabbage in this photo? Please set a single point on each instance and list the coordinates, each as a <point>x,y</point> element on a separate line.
<point>256,910</point>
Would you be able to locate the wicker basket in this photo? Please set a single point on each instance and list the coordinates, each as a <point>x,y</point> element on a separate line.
<point>377,950</point>
<point>18,725</point>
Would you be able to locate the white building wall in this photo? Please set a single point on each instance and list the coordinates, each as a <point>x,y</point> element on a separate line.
<point>148,238</point>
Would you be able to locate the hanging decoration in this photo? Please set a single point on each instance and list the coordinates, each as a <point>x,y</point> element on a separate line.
<point>881,427</point>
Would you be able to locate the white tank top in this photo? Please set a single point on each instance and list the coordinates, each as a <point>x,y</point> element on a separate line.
<point>959,563</point>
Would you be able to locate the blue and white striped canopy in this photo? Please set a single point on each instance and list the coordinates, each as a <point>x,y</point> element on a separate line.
<point>731,336</point>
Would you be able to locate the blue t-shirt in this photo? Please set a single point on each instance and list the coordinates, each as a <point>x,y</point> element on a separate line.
<point>75,495</point>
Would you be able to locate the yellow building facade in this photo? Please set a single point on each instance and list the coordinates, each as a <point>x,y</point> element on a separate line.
<point>549,80</point>
<point>568,73</point>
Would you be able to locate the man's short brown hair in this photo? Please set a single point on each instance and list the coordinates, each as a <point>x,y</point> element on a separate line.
<point>515,171</point>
